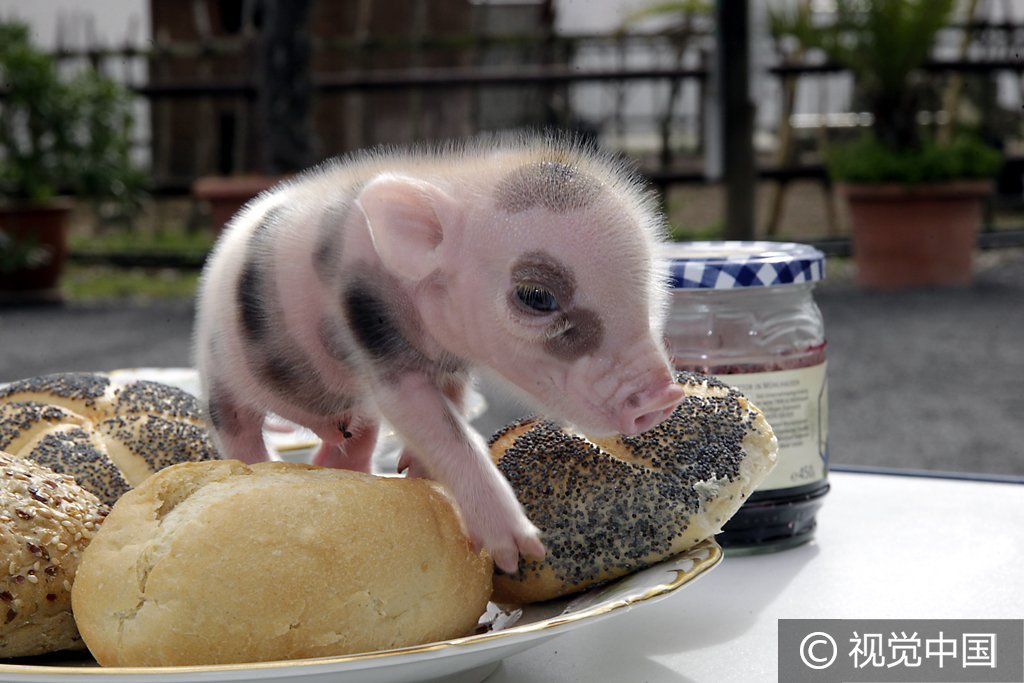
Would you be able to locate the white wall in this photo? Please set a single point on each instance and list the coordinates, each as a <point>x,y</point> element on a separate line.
<point>112,22</point>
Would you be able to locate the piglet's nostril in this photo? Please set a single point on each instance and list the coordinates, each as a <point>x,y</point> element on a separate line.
<point>645,409</point>
<point>648,420</point>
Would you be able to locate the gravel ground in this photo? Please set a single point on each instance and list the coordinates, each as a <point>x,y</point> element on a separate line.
<point>929,378</point>
<point>925,379</point>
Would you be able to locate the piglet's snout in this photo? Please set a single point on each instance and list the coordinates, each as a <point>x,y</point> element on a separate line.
<point>649,406</point>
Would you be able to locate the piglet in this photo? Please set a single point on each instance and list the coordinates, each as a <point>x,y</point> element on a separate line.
<point>370,287</point>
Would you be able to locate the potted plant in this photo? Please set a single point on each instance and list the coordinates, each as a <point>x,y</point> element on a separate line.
<point>57,135</point>
<point>915,203</point>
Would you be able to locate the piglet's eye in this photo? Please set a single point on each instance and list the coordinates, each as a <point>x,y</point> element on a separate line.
<point>536,298</point>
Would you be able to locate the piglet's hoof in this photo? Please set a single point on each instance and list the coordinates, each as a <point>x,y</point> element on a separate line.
<point>523,539</point>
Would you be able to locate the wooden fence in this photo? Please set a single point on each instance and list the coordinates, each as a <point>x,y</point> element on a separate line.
<point>647,94</point>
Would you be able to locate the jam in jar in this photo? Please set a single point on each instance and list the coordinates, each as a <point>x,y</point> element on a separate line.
<point>745,312</point>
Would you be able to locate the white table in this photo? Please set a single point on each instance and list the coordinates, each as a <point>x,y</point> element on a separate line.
<point>887,547</point>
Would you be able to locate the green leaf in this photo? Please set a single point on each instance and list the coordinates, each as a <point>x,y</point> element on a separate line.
<point>867,160</point>
<point>883,43</point>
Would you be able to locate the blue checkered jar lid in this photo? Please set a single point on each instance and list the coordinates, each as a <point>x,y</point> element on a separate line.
<point>735,264</point>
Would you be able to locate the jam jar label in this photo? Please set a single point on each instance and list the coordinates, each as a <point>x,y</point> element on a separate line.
<point>795,403</point>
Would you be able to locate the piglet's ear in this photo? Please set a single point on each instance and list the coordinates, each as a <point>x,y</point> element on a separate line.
<point>406,219</point>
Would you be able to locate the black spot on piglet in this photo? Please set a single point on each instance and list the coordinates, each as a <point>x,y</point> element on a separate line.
<point>371,322</point>
<point>250,303</point>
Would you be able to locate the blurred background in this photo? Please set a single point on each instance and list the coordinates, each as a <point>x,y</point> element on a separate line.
<point>146,123</point>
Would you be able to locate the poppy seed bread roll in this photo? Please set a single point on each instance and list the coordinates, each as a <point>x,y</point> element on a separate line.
<point>108,436</point>
<point>220,562</point>
<point>609,507</point>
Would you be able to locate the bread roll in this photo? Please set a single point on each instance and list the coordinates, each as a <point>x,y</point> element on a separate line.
<point>219,562</point>
<point>108,436</point>
<point>46,520</point>
<point>608,507</point>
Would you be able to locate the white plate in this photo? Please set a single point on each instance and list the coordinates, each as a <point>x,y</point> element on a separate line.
<point>462,660</point>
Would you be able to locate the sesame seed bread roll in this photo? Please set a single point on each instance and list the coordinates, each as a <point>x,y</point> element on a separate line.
<point>220,562</point>
<point>46,521</point>
<point>109,436</point>
<point>609,507</point>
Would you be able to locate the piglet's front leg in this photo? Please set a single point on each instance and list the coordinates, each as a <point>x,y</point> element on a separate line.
<point>456,457</point>
<point>455,392</point>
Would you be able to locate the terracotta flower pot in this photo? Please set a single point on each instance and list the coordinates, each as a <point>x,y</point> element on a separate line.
<point>915,235</point>
<point>227,194</point>
<point>39,233</point>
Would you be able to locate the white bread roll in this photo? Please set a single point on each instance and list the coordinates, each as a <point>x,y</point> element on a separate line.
<point>46,521</point>
<point>109,436</point>
<point>219,562</point>
<point>609,507</point>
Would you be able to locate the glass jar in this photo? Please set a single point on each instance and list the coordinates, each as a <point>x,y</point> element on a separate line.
<point>745,312</point>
